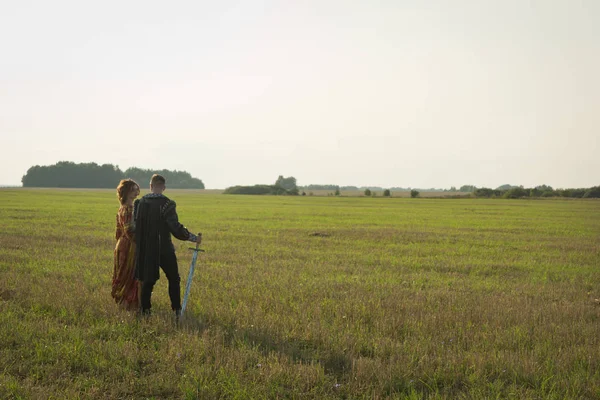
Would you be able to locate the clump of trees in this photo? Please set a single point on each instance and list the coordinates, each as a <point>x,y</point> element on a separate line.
<point>175,179</point>
<point>255,189</point>
<point>286,185</point>
<point>593,192</point>
<point>507,187</point>
<point>283,186</point>
<point>67,174</point>
<point>517,192</point>
<point>320,187</point>
<point>368,192</point>
<point>467,188</point>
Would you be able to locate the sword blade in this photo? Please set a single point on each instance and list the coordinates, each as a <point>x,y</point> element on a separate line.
<point>188,284</point>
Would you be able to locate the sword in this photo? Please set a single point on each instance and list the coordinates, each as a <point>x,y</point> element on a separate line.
<point>188,284</point>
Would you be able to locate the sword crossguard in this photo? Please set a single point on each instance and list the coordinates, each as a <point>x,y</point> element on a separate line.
<point>197,248</point>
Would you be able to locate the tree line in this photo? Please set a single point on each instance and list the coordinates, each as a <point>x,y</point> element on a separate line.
<point>517,192</point>
<point>504,191</point>
<point>363,188</point>
<point>288,186</point>
<point>67,174</point>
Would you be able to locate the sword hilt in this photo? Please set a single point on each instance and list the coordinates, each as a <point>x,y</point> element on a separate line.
<point>197,248</point>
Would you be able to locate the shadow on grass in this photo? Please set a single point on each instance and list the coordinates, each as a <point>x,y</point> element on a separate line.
<point>297,350</point>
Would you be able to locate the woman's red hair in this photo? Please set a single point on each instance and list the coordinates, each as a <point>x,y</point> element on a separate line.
<point>125,186</point>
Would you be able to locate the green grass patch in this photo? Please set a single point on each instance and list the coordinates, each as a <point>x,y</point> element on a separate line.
<point>308,297</point>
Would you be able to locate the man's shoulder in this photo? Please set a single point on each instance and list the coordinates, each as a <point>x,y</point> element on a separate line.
<point>165,204</point>
<point>168,206</point>
<point>156,197</point>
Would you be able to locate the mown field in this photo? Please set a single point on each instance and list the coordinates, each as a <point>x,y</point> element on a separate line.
<point>310,298</point>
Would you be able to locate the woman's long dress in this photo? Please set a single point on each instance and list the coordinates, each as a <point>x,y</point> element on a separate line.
<point>124,284</point>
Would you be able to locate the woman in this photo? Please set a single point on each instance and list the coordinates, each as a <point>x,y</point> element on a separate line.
<point>124,285</point>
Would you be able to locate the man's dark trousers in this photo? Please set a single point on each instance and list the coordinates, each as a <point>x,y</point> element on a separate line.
<point>168,263</point>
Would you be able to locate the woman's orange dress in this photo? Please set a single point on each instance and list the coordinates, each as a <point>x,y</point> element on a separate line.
<point>124,284</point>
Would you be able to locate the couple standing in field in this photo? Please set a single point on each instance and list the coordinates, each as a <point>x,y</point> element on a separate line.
<point>143,234</point>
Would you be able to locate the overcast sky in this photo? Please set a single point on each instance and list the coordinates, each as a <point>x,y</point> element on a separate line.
<point>388,93</point>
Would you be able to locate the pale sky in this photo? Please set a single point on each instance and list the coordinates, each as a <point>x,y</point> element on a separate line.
<point>387,93</point>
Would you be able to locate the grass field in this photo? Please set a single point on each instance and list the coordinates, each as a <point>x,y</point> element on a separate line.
<point>308,297</point>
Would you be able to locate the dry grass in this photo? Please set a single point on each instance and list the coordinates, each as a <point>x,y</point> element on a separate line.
<point>395,298</point>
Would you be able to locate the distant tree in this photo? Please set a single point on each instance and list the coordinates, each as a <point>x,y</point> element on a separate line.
<point>288,183</point>
<point>516,193</point>
<point>337,192</point>
<point>578,193</point>
<point>387,193</point>
<point>467,188</point>
<point>484,192</point>
<point>453,188</point>
<point>414,193</point>
<point>286,186</point>
<point>368,192</point>
<point>593,192</point>
<point>506,187</point>
<point>544,188</point>
<point>303,193</point>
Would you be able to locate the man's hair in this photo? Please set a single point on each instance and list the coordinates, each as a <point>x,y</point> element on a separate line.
<point>157,179</point>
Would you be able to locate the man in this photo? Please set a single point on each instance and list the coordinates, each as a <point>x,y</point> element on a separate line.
<point>155,220</point>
